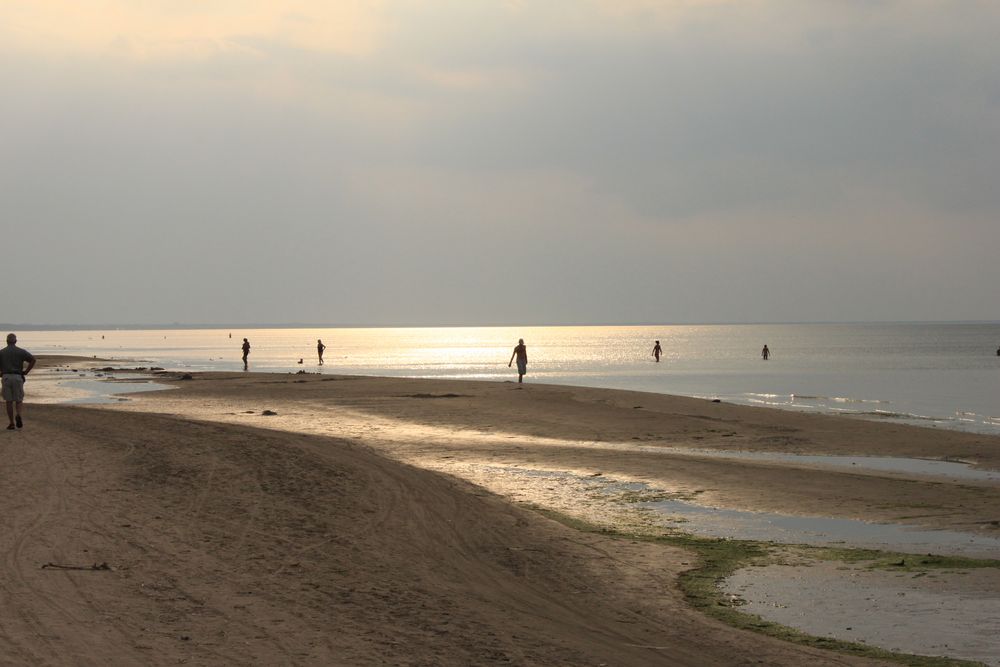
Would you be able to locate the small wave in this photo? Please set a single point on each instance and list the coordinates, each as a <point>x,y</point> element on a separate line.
<point>757,401</point>
<point>843,399</point>
<point>971,417</point>
<point>886,414</point>
<point>837,399</point>
<point>769,395</point>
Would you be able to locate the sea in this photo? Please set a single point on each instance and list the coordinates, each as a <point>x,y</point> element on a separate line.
<point>940,375</point>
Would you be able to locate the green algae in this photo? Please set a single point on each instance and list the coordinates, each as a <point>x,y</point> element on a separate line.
<point>719,558</point>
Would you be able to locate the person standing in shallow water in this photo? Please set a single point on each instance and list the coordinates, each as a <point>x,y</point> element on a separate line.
<point>765,354</point>
<point>657,351</point>
<point>246,352</point>
<point>521,352</point>
<point>319,350</point>
<point>12,360</point>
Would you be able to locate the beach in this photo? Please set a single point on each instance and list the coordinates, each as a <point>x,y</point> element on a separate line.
<point>500,333</point>
<point>331,519</point>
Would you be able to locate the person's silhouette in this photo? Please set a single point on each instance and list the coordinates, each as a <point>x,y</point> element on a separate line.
<point>657,351</point>
<point>319,350</point>
<point>246,352</point>
<point>765,354</point>
<point>521,352</point>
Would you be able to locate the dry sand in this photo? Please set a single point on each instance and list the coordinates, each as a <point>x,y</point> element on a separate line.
<point>310,537</point>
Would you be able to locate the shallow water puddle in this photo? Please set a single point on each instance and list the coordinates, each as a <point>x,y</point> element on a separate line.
<point>822,531</point>
<point>938,612</point>
<point>905,466</point>
<point>101,391</point>
<point>953,614</point>
<point>689,517</point>
<point>82,390</point>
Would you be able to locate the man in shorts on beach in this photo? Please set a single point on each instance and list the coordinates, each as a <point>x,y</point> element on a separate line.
<point>12,360</point>
<point>521,352</point>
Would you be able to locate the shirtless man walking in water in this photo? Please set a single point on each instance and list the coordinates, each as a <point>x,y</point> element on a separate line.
<point>521,352</point>
<point>246,352</point>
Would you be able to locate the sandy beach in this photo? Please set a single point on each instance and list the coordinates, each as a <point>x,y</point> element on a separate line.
<point>377,521</point>
<point>439,333</point>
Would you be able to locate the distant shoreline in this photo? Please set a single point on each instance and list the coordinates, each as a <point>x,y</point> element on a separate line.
<point>174,327</point>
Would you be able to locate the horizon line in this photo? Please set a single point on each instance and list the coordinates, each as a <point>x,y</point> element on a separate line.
<point>307,325</point>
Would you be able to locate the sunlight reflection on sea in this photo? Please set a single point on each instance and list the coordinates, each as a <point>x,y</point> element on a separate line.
<point>943,375</point>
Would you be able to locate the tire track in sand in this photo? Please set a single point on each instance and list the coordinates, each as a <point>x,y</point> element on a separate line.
<point>52,615</point>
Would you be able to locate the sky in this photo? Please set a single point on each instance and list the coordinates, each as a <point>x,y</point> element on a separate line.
<point>462,162</point>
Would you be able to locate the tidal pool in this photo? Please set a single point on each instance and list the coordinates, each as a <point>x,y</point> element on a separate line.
<point>939,613</point>
<point>84,388</point>
<point>947,470</point>
<point>687,516</point>
<point>821,531</point>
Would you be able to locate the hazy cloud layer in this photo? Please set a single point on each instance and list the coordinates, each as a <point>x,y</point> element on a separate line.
<point>499,162</point>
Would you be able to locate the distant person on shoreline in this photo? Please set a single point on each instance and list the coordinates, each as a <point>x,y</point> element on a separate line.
<point>12,360</point>
<point>246,352</point>
<point>657,351</point>
<point>521,352</point>
<point>319,350</point>
<point>765,354</point>
<point>998,351</point>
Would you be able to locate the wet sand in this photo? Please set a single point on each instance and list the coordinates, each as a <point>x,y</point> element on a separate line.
<point>459,426</point>
<point>326,533</point>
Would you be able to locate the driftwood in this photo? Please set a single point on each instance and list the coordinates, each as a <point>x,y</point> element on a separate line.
<point>95,567</point>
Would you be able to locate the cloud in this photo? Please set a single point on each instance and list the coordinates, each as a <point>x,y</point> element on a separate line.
<point>165,29</point>
<point>481,161</point>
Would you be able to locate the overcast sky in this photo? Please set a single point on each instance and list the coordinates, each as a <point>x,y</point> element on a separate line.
<point>507,162</point>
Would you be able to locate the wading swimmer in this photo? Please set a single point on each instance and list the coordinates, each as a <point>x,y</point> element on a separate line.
<point>521,352</point>
<point>246,352</point>
<point>319,350</point>
<point>12,360</point>
<point>657,351</point>
<point>765,354</point>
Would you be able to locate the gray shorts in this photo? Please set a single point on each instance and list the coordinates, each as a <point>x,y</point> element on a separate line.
<point>522,367</point>
<point>13,388</point>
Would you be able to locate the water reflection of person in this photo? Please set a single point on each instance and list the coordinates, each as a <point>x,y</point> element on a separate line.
<point>521,352</point>
<point>765,354</point>
<point>657,351</point>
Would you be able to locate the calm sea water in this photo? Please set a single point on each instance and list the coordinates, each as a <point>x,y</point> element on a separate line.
<point>941,375</point>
